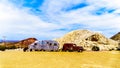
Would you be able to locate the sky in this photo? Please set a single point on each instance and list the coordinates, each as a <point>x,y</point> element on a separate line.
<point>49,19</point>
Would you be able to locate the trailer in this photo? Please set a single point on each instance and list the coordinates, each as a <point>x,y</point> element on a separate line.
<point>44,45</point>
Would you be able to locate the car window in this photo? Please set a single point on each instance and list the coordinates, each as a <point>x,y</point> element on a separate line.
<point>74,45</point>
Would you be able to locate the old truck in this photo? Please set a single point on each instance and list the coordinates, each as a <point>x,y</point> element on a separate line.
<point>44,45</point>
<point>72,47</point>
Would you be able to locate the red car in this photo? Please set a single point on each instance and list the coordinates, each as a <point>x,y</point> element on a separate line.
<point>72,47</point>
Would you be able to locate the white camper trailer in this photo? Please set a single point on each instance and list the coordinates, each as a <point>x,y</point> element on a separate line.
<point>46,45</point>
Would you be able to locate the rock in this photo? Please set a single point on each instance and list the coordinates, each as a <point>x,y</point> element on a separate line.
<point>116,37</point>
<point>25,42</point>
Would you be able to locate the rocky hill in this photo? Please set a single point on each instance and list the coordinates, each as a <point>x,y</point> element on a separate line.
<point>87,39</point>
<point>19,44</point>
<point>116,37</point>
<point>25,42</point>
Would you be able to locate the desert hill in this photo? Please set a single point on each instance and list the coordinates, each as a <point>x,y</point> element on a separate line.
<point>116,37</point>
<point>25,42</point>
<point>19,44</point>
<point>87,39</point>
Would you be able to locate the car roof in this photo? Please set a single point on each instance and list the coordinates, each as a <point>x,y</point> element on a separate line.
<point>69,43</point>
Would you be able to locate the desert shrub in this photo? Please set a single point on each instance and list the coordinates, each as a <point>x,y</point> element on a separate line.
<point>95,48</point>
<point>25,49</point>
<point>118,49</point>
<point>12,47</point>
<point>111,49</point>
<point>7,47</point>
<point>2,48</point>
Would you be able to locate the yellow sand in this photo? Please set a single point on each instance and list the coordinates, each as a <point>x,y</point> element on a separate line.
<point>19,59</point>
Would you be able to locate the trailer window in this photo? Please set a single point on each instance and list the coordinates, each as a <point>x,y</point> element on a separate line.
<point>50,44</point>
<point>55,44</point>
<point>47,42</point>
<point>35,43</point>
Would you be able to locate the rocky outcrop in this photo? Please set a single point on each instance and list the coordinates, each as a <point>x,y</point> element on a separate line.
<point>19,44</point>
<point>25,42</point>
<point>116,37</point>
<point>87,39</point>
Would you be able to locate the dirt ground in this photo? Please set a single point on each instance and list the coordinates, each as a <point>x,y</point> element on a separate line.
<point>20,59</point>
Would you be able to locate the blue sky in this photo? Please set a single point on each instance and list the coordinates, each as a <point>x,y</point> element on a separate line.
<point>49,19</point>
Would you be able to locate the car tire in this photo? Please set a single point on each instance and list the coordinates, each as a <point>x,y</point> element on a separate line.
<point>79,50</point>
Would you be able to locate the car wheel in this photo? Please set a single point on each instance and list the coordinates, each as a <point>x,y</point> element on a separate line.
<point>79,50</point>
<point>71,49</point>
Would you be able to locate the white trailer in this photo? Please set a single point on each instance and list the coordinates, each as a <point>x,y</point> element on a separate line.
<point>45,45</point>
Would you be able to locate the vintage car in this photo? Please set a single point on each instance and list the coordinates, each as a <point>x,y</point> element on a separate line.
<point>72,47</point>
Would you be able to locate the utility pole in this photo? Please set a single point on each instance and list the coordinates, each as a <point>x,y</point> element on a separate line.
<point>4,40</point>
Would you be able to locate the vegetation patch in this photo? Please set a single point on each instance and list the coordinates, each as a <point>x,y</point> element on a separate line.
<point>2,48</point>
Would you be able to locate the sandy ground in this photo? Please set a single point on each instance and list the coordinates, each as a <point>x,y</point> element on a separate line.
<point>20,59</point>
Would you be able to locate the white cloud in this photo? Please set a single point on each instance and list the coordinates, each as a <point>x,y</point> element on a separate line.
<point>54,11</point>
<point>15,20</point>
